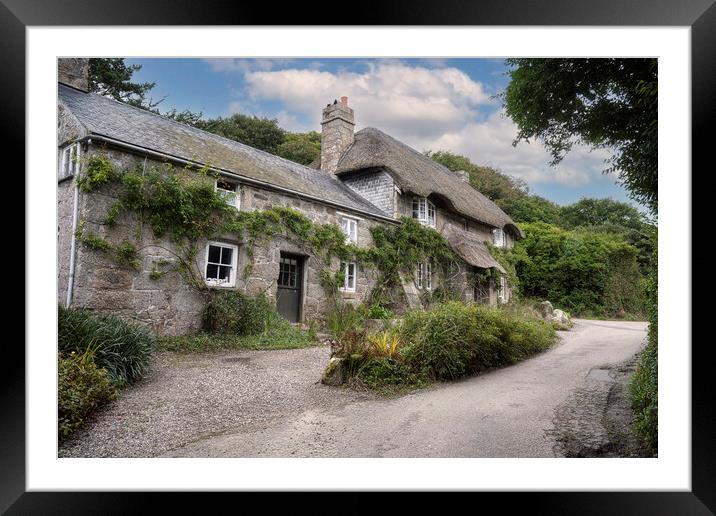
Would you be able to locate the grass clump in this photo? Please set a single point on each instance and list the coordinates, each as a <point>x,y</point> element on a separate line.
<point>82,389</point>
<point>122,348</point>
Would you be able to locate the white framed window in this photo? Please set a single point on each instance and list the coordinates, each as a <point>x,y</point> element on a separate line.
<point>229,191</point>
<point>502,294</point>
<point>350,229</point>
<point>69,161</point>
<point>424,211</point>
<point>220,270</point>
<point>350,271</point>
<point>424,276</point>
<point>498,237</point>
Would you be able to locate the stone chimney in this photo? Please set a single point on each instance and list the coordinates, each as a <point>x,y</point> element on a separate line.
<point>73,72</point>
<point>336,133</point>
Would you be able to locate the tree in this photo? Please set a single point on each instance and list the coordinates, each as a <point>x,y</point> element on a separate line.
<point>302,148</point>
<point>602,103</point>
<point>595,212</point>
<point>113,78</point>
<point>498,187</point>
<point>533,208</point>
<point>261,133</point>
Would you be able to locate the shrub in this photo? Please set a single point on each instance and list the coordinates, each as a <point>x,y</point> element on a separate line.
<point>122,348</point>
<point>453,339</point>
<point>384,344</point>
<point>376,311</point>
<point>233,312</point>
<point>82,389</point>
<point>344,318</point>
<point>379,372</point>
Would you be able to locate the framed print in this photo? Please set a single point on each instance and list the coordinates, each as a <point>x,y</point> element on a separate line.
<point>145,249</point>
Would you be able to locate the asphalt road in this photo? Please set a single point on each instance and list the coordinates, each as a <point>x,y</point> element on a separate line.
<point>511,412</point>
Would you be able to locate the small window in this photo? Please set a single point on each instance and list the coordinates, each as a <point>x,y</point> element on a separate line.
<point>221,264</point>
<point>424,211</point>
<point>229,191</point>
<point>498,237</point>
<point>349,273</point>
<point>502,294</point>
<point>424,276</point>
<point>69,161</point>
<point>350,229</point>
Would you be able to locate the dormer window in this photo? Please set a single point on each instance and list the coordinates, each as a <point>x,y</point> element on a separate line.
<point>424,211</point>
<point>229,191</point>
<point>498,237</point>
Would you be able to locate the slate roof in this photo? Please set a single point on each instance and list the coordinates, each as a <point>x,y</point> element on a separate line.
<point>419,174</point>
<point>119,121</point>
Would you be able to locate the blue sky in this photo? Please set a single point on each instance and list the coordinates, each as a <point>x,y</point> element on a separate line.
<point>430,104</point>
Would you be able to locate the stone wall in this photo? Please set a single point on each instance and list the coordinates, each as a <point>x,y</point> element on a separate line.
<point>168,304</point>
<point>74,71</point>
<point>377,187</point>
<point>65,203</point>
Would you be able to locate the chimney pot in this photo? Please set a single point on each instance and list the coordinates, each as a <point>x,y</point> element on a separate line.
<point>344,101</point>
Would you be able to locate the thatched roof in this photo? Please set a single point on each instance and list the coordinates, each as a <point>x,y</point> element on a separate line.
<point>116,120</point>
<point>419,174</point>
<point>471,249</point>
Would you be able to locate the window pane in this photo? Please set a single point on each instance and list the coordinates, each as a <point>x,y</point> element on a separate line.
<point>212,271</point>
<point>214,254</point>
<point>224,272</point>
<point>222,185</point>
<point>226,254</point>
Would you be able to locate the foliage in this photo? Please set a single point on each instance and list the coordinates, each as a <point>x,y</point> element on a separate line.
<point>454,339</point>
<point>279,334</point>
<point>378,311</point>
<point>82,389</point>
<point>602,103</point>
<point>533,208</point>
<point>303,148</point>
<point>233,312</point>
<point>113,78</point>
<point>384,344</point>
<point>98,171</point>
<point>122,348</point>
<point>260,133</point>
<point>644,383</point>
<point>599,212</point>
<point>342,318</point>
<point>499,187</point>
<point>387,375</point>
<point>582,271</point>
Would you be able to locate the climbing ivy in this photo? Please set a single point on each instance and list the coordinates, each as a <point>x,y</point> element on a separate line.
<point>186,207</point>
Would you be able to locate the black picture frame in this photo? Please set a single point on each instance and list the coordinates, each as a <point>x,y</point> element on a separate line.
<point>700,15</point>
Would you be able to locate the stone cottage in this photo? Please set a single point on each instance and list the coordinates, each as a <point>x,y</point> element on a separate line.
<point>362,179</point>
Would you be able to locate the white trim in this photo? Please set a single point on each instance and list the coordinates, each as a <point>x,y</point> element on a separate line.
<point>345,287</point>
<point>351,236</point>
<point>234,259</point>
<point>424,208</point>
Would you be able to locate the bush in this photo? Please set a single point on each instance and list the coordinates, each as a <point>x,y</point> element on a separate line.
<point>643,386</point>
<point>122,348</point>
<point>233,312</point>
<point>376,311</point>
<point>453,339</point>
<point>380,372</point>
<point>344,318</point>
<point>82,389</point>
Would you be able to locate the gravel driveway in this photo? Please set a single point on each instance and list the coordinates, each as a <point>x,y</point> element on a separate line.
<point>270,404</point>
<point>189,397</point>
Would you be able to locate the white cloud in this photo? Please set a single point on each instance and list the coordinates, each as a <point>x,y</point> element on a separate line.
<point>223,64</point>
<point>419,101</point>
<point>427,108</point>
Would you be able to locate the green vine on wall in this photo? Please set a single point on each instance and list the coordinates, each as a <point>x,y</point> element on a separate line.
<point>186,208</point>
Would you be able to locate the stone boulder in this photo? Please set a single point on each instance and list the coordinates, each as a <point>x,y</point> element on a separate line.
<point>333,374</point>
<point>558,316</point>
<point>546,309</point>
